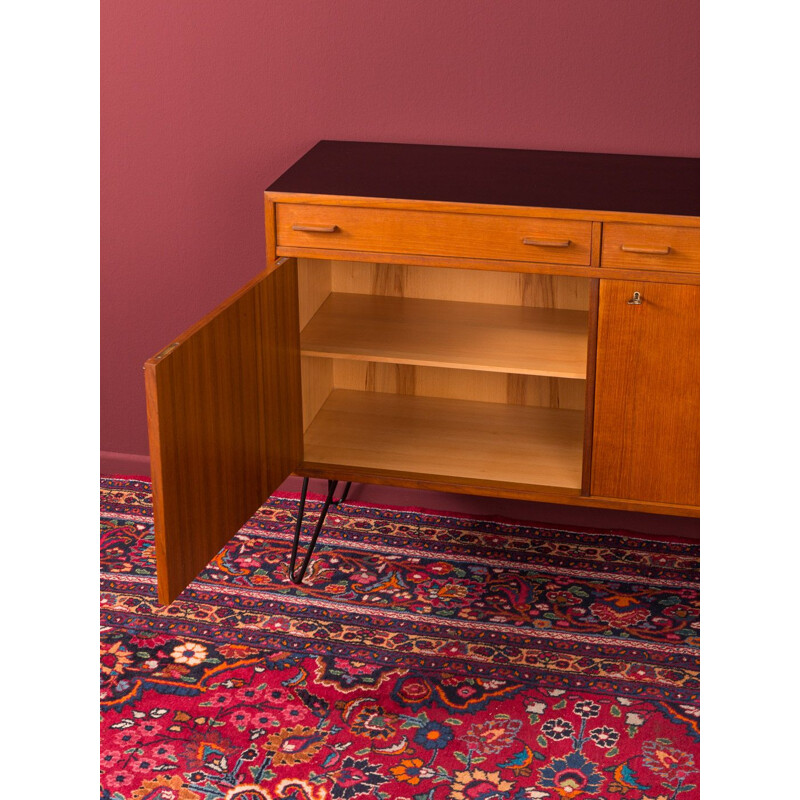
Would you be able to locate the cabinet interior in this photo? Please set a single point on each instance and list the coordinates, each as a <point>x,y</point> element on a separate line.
<point>450,373</point>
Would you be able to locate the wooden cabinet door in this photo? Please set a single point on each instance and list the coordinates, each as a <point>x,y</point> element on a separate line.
<point>224,420</point>
<point>647,394</point>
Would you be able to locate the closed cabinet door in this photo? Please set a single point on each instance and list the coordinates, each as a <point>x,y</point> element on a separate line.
<point>647,393</point>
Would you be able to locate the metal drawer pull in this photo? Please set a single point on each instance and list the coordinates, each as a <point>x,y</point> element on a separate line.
<point>316,228</point>
<point>647,251</point>
<point>547,242</point>
<point>636,300</point>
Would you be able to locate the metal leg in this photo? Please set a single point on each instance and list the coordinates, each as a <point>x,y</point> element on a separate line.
<point>329,501</point>
<point>344,494</point>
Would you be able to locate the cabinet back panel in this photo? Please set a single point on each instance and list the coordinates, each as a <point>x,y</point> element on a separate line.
<point>465,285</point>
<point>430,437</point>
<point>317,278</point>
<point>458,384</point>
<point>322,375</point>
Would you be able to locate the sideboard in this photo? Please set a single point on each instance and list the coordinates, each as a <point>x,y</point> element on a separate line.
<point>509,323</point>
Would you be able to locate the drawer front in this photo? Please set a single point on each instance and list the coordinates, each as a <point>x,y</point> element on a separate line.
<point>662,247</point>
<point>433,233</point>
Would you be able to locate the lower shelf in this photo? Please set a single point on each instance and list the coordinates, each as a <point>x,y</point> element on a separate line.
<point>431,436</point>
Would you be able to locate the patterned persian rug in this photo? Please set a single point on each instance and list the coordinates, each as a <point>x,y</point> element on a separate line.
<point>426,657</point>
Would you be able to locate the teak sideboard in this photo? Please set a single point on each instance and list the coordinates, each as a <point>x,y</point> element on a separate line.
<point>509,323</point>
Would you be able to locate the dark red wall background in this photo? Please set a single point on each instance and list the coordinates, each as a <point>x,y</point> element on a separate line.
<point>204,103</point>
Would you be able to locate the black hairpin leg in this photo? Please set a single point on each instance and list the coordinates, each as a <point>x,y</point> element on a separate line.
<point>344,495</point>
<point>297,577</point>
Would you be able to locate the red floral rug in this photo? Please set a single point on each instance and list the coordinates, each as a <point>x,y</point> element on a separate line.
<point>426,657</point>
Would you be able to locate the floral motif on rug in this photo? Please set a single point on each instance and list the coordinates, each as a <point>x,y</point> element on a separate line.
<point>425,657</point>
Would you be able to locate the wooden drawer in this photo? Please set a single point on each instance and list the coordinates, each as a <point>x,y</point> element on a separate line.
<point>663,247</point>
<point>434,233</point>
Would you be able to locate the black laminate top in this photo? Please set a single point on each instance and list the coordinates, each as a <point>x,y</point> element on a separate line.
<point>536,178</point>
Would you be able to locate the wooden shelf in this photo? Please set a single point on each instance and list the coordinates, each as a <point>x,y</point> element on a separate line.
<point>457,439</point>
<point>442,333</point>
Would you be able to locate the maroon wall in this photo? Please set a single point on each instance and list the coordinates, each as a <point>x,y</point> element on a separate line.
<point>204,103</point>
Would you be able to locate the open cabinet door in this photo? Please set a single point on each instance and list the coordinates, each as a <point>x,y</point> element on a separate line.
<point>224,416</point>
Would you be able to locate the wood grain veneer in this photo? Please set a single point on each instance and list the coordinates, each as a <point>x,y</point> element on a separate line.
<point>269,228</point>
<point>647,394</point>
<point>540,212</point>
<point>643,246</point>
<point>224,419</point>
<point>469,286</point>
<point>480,336</point>
<point>314,284</point>
<point>486,487</point>
<point>317,377</point>
<point>440,349</point>
<point>589,386</point>
<point>456,384</point>
<point>380,230</point>
<point>483,265</point>
<point>434,436</point>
